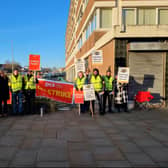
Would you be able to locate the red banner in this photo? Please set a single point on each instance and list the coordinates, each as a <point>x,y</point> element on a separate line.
<point>34,62</point>
<point>61,92</point>
<point>79,97</point>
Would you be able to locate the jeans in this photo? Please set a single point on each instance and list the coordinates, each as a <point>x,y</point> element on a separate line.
<point>30,101</point>
<point>82,108</point>
<point>17,102</point>
<point>99,98</point>
<point>105,96</point>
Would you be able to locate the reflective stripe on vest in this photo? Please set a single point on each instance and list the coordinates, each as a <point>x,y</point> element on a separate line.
<point>30,84</point>
<point>97,83</point>
<point>108,83</point>
<point>16,83</point>
<point>80,82</point>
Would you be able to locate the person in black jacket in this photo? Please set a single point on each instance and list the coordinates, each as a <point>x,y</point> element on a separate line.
<point>87,81</point>
<point>4,93</point>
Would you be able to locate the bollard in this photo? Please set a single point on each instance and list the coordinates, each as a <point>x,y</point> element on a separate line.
<point>41,112</point>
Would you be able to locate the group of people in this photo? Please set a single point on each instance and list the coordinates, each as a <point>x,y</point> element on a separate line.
<point>106,87</point>
<point>20,86</point>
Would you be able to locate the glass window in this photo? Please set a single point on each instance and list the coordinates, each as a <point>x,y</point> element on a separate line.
<point>80,43</point>
<point>163,16</point>
<point>106,18</point>
<point>128,16</point>
<point>88,29</point>
<point>87,33</point>
<point>146,16</point>
<point>92,25</point>
<point>85,3</point>
<point>95,20</point>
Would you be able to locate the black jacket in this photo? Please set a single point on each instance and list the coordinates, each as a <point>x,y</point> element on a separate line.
<point>4,88</point>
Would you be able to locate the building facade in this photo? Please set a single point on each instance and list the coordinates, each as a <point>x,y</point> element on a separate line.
<point>132,33</point>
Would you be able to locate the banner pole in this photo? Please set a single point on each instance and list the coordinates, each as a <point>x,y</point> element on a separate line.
<point>79,109</point>
<point>91,108</point>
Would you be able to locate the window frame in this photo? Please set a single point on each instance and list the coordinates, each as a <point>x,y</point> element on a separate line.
<point>135,16</point>
<point>158,15</point>
<point>144,9</point>
<point>100,15</point>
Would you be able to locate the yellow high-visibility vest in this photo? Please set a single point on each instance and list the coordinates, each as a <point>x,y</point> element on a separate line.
<point>108,83</point>
<point>30,84</point>
<point>80,82</point>
<point>16,83</point>
<point>97,82</point>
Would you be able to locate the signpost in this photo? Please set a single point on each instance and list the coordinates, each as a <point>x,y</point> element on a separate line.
<point>123,75</point>
<point>34,62</point>
<point>89,94</point>
<point>97,57</point>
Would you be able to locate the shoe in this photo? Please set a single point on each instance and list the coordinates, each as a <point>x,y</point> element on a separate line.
<point>102,113</point>
<point>119,110</point>
<point>91,113</point>
<point>127,111</point>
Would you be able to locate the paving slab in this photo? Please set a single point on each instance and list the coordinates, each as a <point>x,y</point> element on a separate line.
<point>158,154</point>
<point>107,153</point>
<point>7,153</point>
<point>52,154</point>
<point>115,164</point>
<point>81,158</point>
<point>78,146</point>
<point>52,164</point>
<point>11,141</point>
<point>4,164</point>
<point>24,158</point>
<point>65,139</point>
<point>140,160</point>
<point>31,143</point>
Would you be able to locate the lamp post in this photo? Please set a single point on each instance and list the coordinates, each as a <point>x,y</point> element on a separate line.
<point>12,56</point>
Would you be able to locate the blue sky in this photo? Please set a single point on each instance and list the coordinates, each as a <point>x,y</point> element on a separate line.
<point>33,27</point>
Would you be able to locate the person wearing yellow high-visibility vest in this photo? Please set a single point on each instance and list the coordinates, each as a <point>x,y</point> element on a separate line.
<point>16,85</point>
<point>30,90</point>
<point>108,91</point>
<point>96,80</point>
<point>80,81</point>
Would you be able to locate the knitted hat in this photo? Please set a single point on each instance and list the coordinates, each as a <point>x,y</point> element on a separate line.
<point>109,69</point>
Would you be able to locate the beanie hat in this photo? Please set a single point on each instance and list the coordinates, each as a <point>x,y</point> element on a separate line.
<point>109,69</point>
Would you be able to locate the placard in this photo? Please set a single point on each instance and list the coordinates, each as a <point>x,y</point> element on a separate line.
<point>34,62</point>
<point>80,65</point>
<point>97,57</point>
<point>79,97</point>
<point>89,92</point>
<point>123,75</point>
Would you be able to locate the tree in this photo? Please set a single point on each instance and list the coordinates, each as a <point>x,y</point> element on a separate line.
<point>8,66</point>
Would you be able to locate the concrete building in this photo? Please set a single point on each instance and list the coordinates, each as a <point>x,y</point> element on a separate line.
<point>132,33</point>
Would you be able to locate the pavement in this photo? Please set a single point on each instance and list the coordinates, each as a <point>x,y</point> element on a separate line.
<point>64,139</point>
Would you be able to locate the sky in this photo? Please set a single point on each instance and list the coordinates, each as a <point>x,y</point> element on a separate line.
<point>33,27</point>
